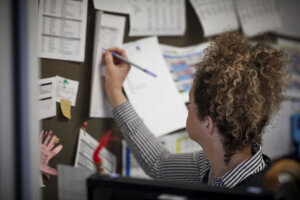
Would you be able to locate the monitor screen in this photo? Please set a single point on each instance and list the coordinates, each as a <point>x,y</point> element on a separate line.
<point>119,188</point>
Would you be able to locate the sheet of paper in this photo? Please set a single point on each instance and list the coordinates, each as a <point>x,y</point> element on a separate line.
<point>278,132</point>
<point>152,17</point>
<point>84,154</point>
<point>181,62</point>
<point>62,29</point>
<point>66,89</point>
<point>41,181</point>
<point>178,142</point>
<point>290,16</point>
<point>117,6</point>
<point>72,182</point>
<point>47,98</point>
<point>65,107</point>
<point>258,16</point>
<point>216,16</point>
<point>156,100</point>
<point>292,48</point>
<point>130,166</point>
<point>109,32</point>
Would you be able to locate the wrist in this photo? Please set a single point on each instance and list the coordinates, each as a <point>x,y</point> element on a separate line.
<point>116,98</point>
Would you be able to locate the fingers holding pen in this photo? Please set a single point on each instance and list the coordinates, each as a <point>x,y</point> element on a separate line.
<point>115,57</point>
<point>119,51</point>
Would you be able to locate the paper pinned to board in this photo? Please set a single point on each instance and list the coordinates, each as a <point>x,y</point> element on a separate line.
<point>66,89</point>
<point>117,6</point>
<point>65,107</point>
<point>47,98</point>
<point>216,16</point>
<point>182,65</point>
<point>84,154</point>
<point>72,182</point>
<point>62,29</point>
<point>290,15</point>
<point>292,49</point>
<point>258,16</point>
<point>156,100</point>
<point>109,32</point>
<point>152,17</point>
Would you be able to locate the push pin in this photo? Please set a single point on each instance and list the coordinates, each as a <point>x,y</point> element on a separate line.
<point>57,141</point>
<point>84,127</point>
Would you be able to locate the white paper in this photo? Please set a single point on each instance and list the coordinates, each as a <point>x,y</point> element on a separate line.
<point>277,139</point>
<point>109,32</point>
<point>66,89</point>
<point>156,100</point>
<point>181,62</point>
<point>47,97</point>
<point>62,29</point>
<point>258,16</point>
<point>72,183</point>
<point>84,154</point>
<point>117,6</point>
<point>290,16</point>
<point>179,142</point>
<point>292,49</point>
<point>216,16</point>
<point>130,166</point>
<point>176,143</point>
<point>41,181</point>
<point>153,17</point>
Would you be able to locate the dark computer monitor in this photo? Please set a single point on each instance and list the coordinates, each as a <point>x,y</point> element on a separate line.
<point>119,188</point>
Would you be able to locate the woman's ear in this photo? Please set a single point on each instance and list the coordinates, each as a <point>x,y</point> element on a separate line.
<point>209,124</point>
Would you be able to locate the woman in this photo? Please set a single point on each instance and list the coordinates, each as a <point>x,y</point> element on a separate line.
<point>237,88</point>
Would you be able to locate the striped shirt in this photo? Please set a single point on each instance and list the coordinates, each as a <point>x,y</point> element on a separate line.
<point>159,163</point>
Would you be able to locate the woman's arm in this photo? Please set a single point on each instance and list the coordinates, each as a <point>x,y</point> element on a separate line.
<point>156,161</point>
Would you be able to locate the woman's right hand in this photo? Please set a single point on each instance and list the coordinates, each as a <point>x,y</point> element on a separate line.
<point>116,72</point>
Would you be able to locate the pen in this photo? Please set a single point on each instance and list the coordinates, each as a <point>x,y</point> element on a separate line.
<point>128,62</point>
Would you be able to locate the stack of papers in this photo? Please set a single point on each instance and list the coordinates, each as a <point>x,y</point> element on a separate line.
<point>52,90</point>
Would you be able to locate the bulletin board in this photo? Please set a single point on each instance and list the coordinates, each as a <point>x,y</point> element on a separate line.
<point>68,130</point>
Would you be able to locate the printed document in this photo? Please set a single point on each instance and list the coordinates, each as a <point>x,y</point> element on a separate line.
<point>109,32</point>
<point>216,16</point>
<point>66,89</point>
<point>292,49</point>
<point>84,154</point>
<point>290,15</point>
<point>258,16</point>
<point>47,98</point>
<point>182,63</point>
<point>153,17</point>
<point>117,6</point>
<point>72,182</point>
<point>156,100</point>
<point>62,29</point>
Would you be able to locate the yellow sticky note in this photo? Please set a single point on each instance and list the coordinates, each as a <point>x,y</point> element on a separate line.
<point>65,107</point>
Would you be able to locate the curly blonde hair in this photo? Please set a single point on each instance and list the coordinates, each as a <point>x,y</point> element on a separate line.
<point>240,85</point>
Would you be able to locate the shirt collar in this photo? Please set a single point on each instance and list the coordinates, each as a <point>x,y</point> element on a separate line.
<point>243,170</point>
